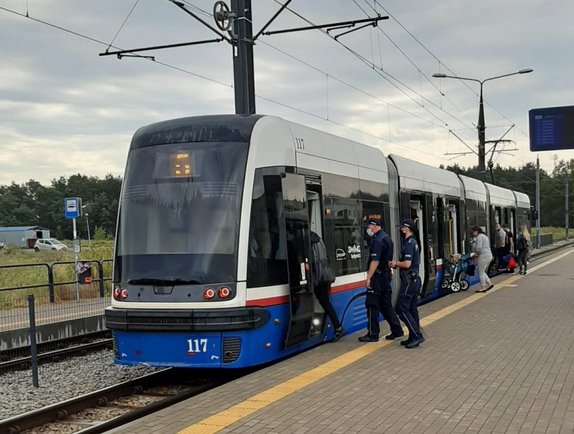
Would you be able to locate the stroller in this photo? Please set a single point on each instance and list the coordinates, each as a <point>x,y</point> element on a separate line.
<point>455,271</point>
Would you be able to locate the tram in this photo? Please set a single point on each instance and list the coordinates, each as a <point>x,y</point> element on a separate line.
<point>211,262</point>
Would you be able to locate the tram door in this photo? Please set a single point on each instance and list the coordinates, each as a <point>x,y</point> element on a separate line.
<point>298,258</point>
<point>418,218</point>
<point>453,228</point>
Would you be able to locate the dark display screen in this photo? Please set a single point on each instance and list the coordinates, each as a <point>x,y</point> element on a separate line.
<point>551,128</point>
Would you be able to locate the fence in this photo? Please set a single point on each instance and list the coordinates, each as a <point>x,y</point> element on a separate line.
<point>546,240</point>
<point>63,307</point>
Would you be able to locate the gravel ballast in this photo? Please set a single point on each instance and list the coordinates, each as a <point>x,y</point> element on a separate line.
<point>63,380</point>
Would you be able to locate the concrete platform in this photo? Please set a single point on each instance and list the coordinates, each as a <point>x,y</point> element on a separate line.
<point>500,362</point>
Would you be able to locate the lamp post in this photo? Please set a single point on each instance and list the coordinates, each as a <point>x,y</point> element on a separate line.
<point>88,226</point>
<point>480,126</point>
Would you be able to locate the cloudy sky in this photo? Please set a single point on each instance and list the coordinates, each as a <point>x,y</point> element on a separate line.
<point>65,110</point>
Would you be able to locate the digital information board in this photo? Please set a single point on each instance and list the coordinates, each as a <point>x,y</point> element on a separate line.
<point>551,129</point>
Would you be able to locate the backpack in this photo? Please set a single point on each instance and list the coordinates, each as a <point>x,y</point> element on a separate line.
<point>522,244</point>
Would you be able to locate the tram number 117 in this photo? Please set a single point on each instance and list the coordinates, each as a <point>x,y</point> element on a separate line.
<point>196,345</point>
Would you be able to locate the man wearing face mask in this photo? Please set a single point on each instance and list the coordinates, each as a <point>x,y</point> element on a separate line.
<point>407,303</point>
<point>379,289</point>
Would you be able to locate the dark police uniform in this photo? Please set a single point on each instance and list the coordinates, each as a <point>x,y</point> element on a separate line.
<point>408,294</point>
<point>378,298</point>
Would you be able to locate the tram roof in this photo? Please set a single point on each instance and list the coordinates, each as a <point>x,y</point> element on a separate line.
<point>522,199</point>
<point>473,188</point>
<point>224,128</point>
<point>500,196</point>
<point>418,176</point>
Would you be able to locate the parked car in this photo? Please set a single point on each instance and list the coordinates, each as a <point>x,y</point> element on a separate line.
<point>49,244</point>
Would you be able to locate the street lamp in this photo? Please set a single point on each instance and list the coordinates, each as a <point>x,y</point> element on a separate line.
<point>88,226</point>
<point>480,126</point>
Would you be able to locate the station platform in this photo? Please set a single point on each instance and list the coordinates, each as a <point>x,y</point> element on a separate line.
<point>500,362</point>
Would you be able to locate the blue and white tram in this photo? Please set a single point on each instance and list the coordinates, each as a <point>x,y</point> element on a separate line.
<point>211,264</point>
<point>434,199</point>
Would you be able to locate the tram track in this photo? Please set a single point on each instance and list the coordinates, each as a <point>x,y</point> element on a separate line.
<point>114,406</point>
<point>54,351</point>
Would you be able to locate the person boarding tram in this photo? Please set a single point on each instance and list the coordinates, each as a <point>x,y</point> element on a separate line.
<point>323,277</point>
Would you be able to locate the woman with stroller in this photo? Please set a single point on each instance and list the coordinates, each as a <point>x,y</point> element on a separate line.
<point>523,246</point>
<point>482,250</point>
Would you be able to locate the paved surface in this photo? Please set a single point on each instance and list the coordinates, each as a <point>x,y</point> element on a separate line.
<point>495,363</point>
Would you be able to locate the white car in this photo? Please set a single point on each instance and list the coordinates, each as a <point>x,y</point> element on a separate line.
<point>49,244</point>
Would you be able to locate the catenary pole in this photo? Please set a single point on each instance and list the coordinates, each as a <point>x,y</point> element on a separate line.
<point>244,77</point>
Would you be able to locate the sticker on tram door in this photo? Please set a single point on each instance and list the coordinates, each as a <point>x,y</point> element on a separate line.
<point>303,280</point>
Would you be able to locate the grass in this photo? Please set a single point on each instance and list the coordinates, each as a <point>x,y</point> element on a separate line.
<point>38,275</point>
<point>558,234</point>
<point>98,250</point>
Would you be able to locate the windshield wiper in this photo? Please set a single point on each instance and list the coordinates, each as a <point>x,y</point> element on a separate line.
<point>162,282</point>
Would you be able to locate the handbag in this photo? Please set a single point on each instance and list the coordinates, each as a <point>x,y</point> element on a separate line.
<point>470,269</point>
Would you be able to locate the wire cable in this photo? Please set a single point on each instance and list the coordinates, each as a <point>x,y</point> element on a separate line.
<point>123,24</point>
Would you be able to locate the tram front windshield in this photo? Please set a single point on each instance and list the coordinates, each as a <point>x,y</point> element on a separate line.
<point>179,214</point>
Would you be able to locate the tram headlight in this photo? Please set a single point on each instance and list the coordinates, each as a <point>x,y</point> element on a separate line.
<point>208,293</point>
<point>224,292</point>
<point>117,291</point>
<point>123,294</point>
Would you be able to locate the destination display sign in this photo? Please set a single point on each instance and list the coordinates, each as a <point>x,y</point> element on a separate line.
<point>551,129</point>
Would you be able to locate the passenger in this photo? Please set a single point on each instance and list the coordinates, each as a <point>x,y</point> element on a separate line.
<point>408,265</point>
<point>323,276</point>
<point>509,240</point>
<point>379,291</point>
<point>500,245</point>
<point>482,250</point>
<point>523,244</point>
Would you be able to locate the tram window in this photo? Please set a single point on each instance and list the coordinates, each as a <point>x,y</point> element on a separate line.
<point>347,236</point>
<point>267,258</point>
<point>339,186</point>
<point>371,210</point>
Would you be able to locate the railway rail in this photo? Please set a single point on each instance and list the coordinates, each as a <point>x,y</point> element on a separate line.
<point>114,406</point>
<point>53,351</point>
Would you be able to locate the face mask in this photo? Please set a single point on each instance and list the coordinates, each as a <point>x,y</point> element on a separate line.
<point>369,232</point>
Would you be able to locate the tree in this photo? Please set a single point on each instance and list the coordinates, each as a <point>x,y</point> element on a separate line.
<point>32,204</point>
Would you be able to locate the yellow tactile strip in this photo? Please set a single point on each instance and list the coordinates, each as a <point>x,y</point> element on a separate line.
<point>225,418</point>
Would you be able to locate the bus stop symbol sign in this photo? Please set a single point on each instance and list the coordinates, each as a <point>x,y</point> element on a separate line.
<point>72,207</point>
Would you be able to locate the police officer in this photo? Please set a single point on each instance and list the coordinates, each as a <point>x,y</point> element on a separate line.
<point>379,289</point>
<point>410,284</point>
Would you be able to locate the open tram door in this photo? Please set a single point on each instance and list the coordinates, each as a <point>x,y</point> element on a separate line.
<point>298,258</point>
<point>417,217</point>
<point>453,235</point>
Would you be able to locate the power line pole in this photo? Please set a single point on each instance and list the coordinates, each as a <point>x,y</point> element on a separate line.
<point>566,211</point>
<point>243,75</point>
<point>235,25</point>
<point>537,202</point>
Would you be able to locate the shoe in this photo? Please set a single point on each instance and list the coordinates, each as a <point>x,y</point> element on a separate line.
<point>489,288</point>
<point>406,342</point>
<point>339,333</point>
<point>368,338</point>
<point>524,273</point>
<point>481,290</point>
<point>415,342</point>
<point>393,336</point>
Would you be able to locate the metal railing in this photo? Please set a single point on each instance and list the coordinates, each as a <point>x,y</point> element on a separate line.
<point>66,303</point>
<point>51,283</point>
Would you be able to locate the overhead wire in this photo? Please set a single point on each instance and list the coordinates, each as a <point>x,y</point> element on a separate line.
<point>92,39</point>
<point>123,24</point>
<point>440,61</point>
<point>385,75</point>
<point>230,86</point>
<point>418,41</point>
